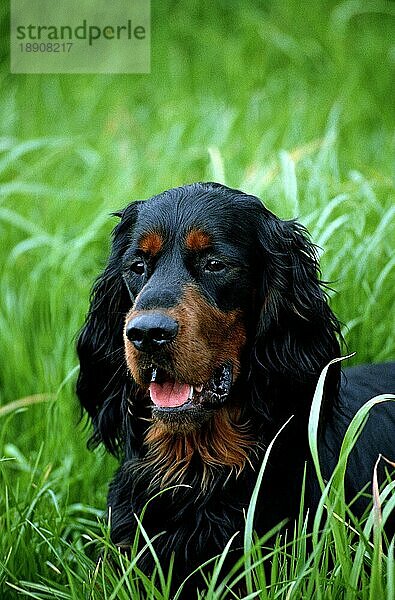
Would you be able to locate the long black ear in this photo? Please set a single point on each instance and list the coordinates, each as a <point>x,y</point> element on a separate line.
<point>297,333</point>
<point>103,382</point>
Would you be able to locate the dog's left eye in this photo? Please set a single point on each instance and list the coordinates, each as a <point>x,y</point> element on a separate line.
<point>214,265</point>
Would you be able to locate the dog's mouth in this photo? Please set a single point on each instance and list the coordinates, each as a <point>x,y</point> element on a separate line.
<point>169,395</point>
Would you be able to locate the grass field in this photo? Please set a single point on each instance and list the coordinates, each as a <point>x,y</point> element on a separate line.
<point>290,101</point>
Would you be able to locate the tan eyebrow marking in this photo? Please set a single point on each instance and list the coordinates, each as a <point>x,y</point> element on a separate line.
<point>197,239</point>
<point>151,243</point>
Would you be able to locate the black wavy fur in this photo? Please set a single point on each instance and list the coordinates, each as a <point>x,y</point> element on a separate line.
<point>292,335</point>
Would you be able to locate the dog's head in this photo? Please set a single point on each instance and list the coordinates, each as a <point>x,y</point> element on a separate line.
<point>191,271</point>
<point>209,303</point>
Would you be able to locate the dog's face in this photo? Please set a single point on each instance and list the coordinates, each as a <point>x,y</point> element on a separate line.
<point>190,275</point>
<point>215,306</point>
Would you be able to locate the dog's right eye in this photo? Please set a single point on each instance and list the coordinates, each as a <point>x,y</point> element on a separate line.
<point>138,267</point>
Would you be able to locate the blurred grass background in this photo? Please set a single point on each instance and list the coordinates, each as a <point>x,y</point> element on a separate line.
<point>291,101</point>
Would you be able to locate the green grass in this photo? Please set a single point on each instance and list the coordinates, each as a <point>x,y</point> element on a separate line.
<point>290,101</point>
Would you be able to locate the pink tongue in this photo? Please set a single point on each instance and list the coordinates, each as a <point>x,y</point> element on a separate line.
<point>169,394</point>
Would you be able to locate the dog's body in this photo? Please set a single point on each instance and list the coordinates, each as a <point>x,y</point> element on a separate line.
<point>207,330</point>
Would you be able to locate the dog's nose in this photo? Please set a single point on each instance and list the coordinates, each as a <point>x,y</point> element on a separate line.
<point>150,332</point>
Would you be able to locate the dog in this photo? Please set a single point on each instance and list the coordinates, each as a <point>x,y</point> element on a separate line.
<point>207,331</point>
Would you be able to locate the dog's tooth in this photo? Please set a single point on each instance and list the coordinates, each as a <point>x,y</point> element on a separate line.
<point>154,374</point>
<point>190,392</point>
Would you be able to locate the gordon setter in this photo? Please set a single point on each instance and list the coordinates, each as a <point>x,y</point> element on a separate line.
<point>207,330</point>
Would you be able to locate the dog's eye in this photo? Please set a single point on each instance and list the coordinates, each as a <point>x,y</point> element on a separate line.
<point>138,267</point>
<point>214,266</point>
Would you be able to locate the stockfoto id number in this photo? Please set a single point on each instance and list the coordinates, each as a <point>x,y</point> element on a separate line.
<point>46,47</point>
